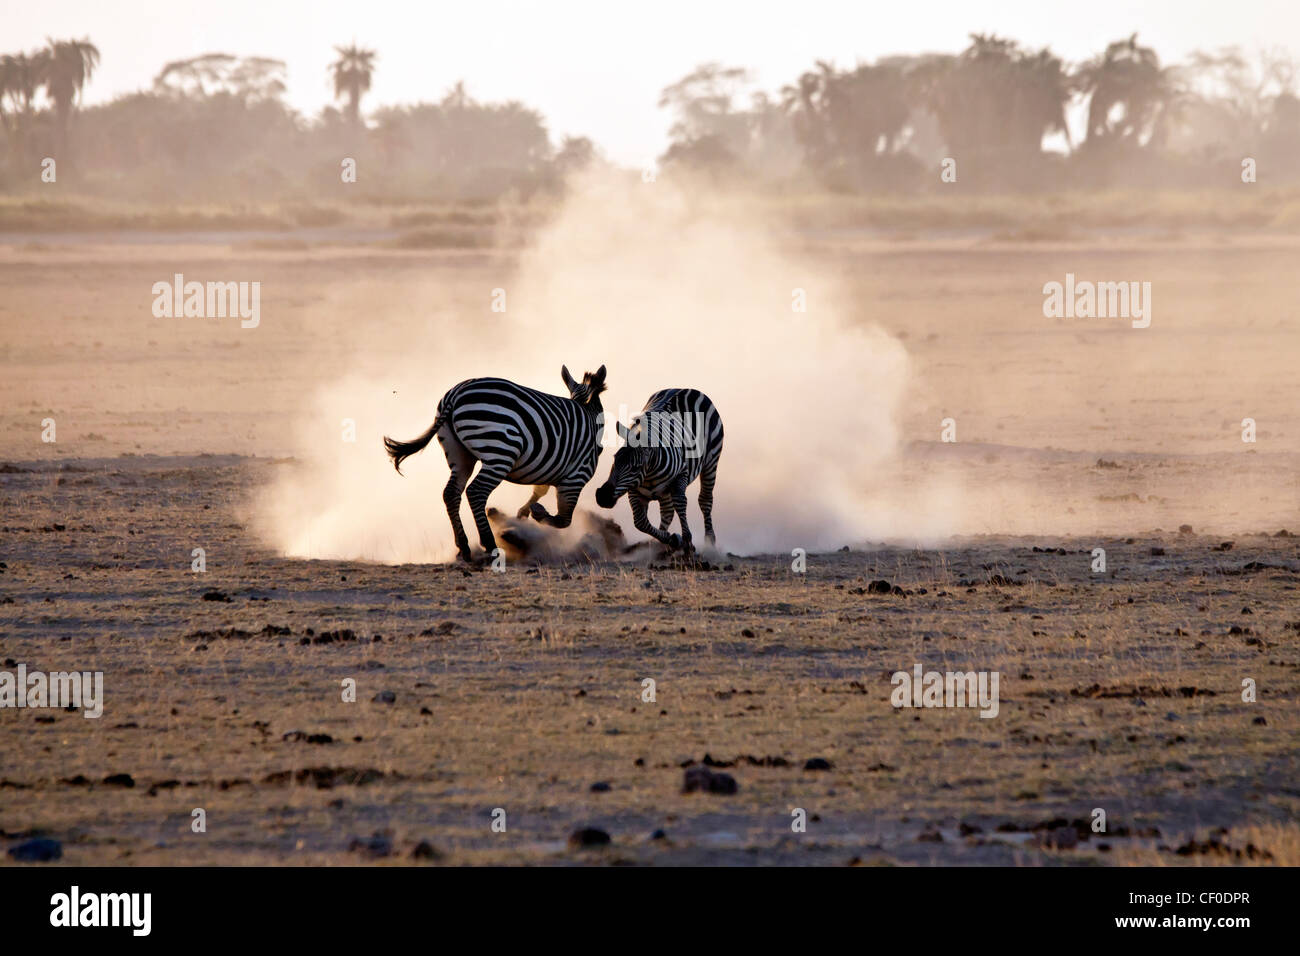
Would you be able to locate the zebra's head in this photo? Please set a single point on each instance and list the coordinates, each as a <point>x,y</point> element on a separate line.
<point>629,466</point>
<point>587,392</point>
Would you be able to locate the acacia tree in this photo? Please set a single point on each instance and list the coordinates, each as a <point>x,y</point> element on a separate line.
<point>708,129</point>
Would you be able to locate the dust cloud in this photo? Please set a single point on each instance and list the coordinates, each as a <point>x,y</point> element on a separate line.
<point>669,286</point>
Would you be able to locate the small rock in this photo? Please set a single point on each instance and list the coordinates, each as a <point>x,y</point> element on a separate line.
<point>39,850</point>
<point>704,780</point>
<point>384,697</point>
<point>600,786</point>
<point>119,780</point>
<point>818,763</point>
<point>377,845</point>
<point>424,850</point>
<point>588,837</point>
<point>298,736</point>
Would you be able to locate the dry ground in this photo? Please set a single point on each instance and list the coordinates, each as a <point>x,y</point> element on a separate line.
<point>521,690</point>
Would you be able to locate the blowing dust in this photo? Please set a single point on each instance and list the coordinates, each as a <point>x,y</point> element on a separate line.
<point>665,287</point>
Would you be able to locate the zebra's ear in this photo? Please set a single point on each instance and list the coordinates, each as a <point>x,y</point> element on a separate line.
<point>569,383</point>
<point>622,430</point>
<point>599,378</point>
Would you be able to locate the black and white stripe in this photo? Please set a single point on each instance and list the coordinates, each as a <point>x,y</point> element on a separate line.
<point>676,439</point>
<point>519,435</point>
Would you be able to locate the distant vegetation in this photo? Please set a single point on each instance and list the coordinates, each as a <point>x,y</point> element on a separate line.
<point>1003,114</point>
<point>216,129</point>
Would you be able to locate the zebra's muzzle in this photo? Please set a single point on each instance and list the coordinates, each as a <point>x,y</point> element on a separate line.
<point>605,496</point>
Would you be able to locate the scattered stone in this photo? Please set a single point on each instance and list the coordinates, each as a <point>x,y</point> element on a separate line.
<point>325,778</point>
<point>424,850</point>
<point>39,850</point>
<point>384,697</point>
<point>818,763</point>
<point>704,780</point>
<point>216,595</point>
<point>1098,691</point>
<point>119,780</point>
<point>376,846</point>
<point>601,786</point>
<point>299,736</point>
<point>588,837</point>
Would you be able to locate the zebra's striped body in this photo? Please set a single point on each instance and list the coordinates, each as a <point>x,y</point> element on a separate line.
<point>676,439</point>
<point>519,435</point>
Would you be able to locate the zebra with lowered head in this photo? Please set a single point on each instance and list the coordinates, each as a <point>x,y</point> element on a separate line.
<point>518,435</point>
<point>675,439</point>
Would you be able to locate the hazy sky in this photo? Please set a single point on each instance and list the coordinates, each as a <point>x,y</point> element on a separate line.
<point>595,67</point>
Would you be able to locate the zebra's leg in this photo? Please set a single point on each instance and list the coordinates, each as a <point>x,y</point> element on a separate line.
<point>641,520</point>
<point>665,511</point>
<point>707,478</point>
<point>679,502</point>
<point>566,499</point>
<point>461,462</point>
<point>538,492</point>
<point>489,476</point>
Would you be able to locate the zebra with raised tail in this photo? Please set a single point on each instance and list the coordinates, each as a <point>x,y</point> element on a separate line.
<point>518,435</point>
<point>676,438</point>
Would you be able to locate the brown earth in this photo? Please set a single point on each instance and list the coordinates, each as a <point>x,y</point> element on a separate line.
<point>1120,690</point>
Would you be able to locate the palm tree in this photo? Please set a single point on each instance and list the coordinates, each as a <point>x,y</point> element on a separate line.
<point>1131,98</point>
<point>352,72</point>
<point>21,75</point>
<point>67,66</point>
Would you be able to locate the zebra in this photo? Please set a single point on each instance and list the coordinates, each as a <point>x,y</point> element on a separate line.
<point>518,435</point>
<point>676,438</point>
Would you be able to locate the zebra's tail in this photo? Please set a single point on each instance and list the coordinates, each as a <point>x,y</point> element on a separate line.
<point>399,451</point>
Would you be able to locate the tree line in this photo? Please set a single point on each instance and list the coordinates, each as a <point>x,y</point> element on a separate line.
<point>1002,113</point>
<point>1008,117</point>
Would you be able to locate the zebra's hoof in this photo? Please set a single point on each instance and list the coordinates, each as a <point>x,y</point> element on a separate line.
<point>538,512</point>
<point>674,542</point>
